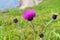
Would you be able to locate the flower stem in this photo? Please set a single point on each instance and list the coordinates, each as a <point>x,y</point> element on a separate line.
<point>19,27</point>
<point>47,25</point>
<point>46,28</point>
<point>33,30</point>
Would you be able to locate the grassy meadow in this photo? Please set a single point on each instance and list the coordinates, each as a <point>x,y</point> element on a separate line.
<point>44,11</point>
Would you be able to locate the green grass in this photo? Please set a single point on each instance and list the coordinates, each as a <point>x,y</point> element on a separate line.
<point>44,11</point>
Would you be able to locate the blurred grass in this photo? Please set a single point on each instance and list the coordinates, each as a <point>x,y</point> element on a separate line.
<point>44,11</point>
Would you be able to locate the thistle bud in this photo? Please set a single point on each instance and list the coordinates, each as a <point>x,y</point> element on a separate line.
<point>15,20</point>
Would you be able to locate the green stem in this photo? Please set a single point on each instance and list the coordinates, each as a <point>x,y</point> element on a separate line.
<point>33,30</point>
<point>19,27</point>
<point>46,28</point>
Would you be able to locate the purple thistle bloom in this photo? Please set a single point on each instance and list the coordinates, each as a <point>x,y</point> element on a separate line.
<point>15,20</point>
<point>54,16</point>
<point>29,14</point>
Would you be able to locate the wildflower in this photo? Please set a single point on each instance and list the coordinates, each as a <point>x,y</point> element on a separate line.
<point>29,14</point>
<point>15,20</point>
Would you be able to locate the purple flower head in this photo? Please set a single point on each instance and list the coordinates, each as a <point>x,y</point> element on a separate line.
<point>29,14</point>
<point>54,16</point>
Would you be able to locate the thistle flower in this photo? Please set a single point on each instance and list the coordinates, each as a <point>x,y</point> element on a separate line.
<point>15,20</point>
<point>29,14</point>
<point>54,16</point>
<point>41,35</point>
